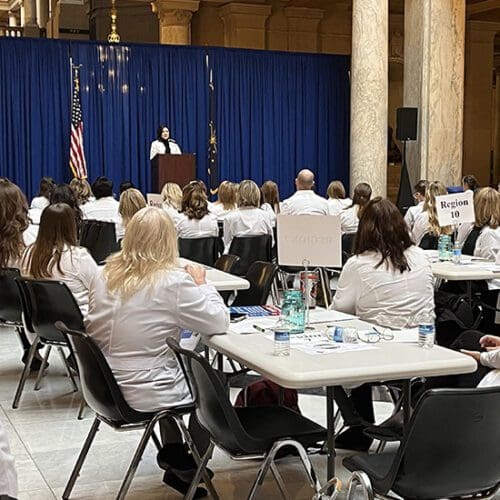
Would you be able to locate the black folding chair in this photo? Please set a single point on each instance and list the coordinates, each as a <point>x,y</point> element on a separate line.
<point>226,263</point>
<point>103,395</point>
<point>202,250</point>
<point>449,450</point>
<point>250,249</point>
<point>99,237</point>
<point>44,302</point>
<point>11,308</point>
<point>253,432</point>
<point>261,276</point>
<point>429,242</point>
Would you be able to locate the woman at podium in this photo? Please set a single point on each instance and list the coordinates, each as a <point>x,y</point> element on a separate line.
<point>164,144</point>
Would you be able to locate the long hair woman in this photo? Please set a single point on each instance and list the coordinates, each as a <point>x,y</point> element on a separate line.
<point>337,200</point>
<point>131,201</point>
<point>62,193</point>
<point>171,195</point>
<point>195,221</point>
<point>349,217</point>
<point>427,223</point>
<point>226,199</point>
<point>56,254</point>
<point>387,282</point>
<point>82,190</point>
<point>141,298</point>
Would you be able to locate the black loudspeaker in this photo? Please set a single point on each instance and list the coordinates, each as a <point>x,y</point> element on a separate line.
<point>406,124</point>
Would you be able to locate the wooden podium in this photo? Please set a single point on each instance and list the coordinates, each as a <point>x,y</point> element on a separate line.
<point>172,168</point>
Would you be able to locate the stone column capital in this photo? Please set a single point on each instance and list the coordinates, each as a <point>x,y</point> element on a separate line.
<point>175,12</point>
<point>245,24</point>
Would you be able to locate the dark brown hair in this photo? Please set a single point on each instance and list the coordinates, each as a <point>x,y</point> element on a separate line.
<point>382,229</point>
<point>57,231</point>
<point>361,196</point>
<point>271,195</point>
<point>13,221</point>
<point>194,201</point>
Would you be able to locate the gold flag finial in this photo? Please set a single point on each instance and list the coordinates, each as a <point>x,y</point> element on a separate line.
<point>113,37</point>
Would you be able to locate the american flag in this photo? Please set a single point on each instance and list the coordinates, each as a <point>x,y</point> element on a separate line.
<point>76,152</point>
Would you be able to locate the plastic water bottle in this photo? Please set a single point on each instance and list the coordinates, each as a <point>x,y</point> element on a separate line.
<point>282,339</point>
<point>457,253</point>
<point>426,329</point>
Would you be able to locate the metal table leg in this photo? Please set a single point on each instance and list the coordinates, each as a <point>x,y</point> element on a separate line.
<point>330,436</point>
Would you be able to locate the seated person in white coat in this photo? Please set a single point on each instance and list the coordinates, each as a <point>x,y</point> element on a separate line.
<point>489,358</point>
<point>8,474</point>
<point>271,199</point>
<point>164,144</point>
<point>419,195</point>
<point>349,217</point>
<point>16,233</point>
<point>171,195</point>
<point>39,202</point>
<point>195,221</point>
<point>337,200</point>
<point>131,201</point>
<point>226,200</point>
<point>305,201</point>
<point>104,207</point>
<point>248,219</point>
<point>55,254</point>
<point>138,300</point>
<point>388,281</point>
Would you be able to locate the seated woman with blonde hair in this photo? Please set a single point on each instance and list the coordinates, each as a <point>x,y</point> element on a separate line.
<point>82,190</point>
<point>195,221</point>
<point>141,298</point>
<point>56,254</point>
<point>131,201</point>
<point>171,195</point>
<point>337,200</point>
<point>249,219</point>
<point>426,229</point>
<point>226,200</point>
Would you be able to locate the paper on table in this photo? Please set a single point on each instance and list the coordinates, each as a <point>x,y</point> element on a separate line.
<point>246,326</point>
<point>315,348</point>
<point>326,316</point>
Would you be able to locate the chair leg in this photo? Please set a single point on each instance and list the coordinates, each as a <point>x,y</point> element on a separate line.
<point>81,409</point>
<point>68,369</point>
<point>25,373</point>
<point>81,459</point>
<point>308,467</point>
<point>156,441</point>
<point>279,481</point>
<point>201,462</point>
<point>135,460</point>
<point>362,479</point>
<point>42,367</point>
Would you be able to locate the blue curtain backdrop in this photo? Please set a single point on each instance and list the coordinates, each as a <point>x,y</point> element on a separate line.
<point>276,112</point>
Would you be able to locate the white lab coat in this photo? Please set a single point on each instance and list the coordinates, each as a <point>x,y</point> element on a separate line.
<point>336,205</point>
<point>196,228</point>
<point>246,221</point>
<point>420,227</point>
<point>132,334</point>
<point>492,360</point>
<point>305,202</point>
<point>383,295</point>
<point>79,269</point>
<point>104,209</point>
<point>158,148</point>
<point>412,213</point>
<point>39,202</point>
<point>8,474</point>
<point>349,220</point>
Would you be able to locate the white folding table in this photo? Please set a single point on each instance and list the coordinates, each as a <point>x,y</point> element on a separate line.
<point>388,361</point>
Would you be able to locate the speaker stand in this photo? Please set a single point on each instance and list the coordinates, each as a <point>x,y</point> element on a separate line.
<point>405,193</point>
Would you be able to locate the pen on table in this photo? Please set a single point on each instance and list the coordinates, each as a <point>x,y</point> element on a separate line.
<point>259,328</point>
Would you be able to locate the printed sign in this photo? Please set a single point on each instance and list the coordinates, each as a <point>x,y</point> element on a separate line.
<point>455,208</point>
<point>154,200</point>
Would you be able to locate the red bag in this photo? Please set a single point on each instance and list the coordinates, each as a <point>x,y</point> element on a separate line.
<point>267,393</point>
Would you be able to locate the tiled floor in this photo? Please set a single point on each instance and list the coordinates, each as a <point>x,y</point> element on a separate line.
<point>45,437</point>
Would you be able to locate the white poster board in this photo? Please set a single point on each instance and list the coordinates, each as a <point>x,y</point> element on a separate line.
<point>154,200</point>
<point>315,238</point>
<point>455,208</point>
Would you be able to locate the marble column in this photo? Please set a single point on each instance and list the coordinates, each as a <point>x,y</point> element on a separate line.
<point>434,83</point>
<point>42,13</point>
<point>245,24</point>
<point>175,20</point>
<point>369,94</point>
<point>303,24</point>
<point>496,138</point>
<point>30,26</point>
<point>478,90</point>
